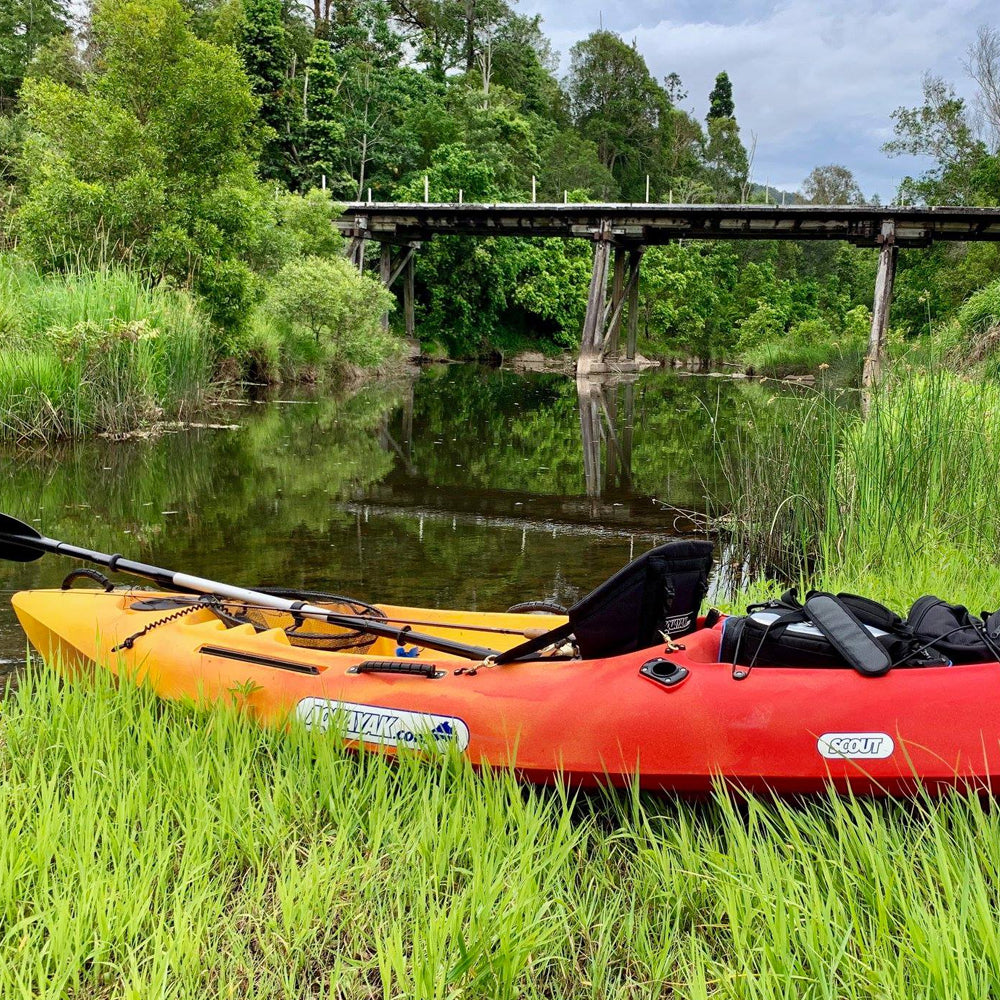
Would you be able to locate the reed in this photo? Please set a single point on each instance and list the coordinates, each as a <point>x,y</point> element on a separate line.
<point>96,351</point>
<point>152,850</point>
<point>900,501</point>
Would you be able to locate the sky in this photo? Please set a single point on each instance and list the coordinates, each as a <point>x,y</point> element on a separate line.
<point>815,80</point>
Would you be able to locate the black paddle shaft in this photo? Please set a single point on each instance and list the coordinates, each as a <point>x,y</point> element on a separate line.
<point>19,542</point>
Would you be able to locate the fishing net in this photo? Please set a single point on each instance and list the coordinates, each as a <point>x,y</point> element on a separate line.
<point>306,632</point>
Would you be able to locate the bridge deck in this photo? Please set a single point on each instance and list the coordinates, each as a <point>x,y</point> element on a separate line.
<point>649,225</point>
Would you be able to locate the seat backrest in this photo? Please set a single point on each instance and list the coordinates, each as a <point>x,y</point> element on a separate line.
<point>659,593</point>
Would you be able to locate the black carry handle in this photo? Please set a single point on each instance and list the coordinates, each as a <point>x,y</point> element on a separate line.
<point>19,542</point>
<point>411,668</point>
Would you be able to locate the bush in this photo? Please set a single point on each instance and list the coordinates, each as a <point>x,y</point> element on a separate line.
<point>340,309</point>
<point>98,351</point>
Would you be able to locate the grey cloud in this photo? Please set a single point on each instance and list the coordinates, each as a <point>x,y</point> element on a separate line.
<point>816,80</point>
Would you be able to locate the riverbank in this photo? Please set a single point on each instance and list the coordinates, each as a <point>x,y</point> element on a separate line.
<point>274,864</point>
<point>109,352</point>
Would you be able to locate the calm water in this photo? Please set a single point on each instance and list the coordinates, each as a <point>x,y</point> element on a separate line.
<point>466,487</point>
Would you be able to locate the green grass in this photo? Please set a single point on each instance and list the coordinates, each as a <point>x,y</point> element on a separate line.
<point>96,352</point>
<point>894,504</point>
<point>149,850</point>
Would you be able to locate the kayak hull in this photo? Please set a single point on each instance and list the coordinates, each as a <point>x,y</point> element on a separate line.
<point>780,730</point>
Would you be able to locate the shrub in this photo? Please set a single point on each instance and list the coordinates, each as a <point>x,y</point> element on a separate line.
<point>340,308</point>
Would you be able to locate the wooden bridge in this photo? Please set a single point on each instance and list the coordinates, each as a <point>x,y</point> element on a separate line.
<point>620,234</point>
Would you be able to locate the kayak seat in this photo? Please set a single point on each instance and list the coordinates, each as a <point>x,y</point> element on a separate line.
<point>659,594</point>
<point>656,596</point>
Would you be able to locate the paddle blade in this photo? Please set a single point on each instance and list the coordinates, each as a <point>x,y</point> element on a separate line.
<point>13,536</point>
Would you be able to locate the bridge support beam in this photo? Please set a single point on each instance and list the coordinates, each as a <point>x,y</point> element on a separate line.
<point>600,341</point>
<point>593,322</point>
<point>392,266</point>
<point>884,281</point>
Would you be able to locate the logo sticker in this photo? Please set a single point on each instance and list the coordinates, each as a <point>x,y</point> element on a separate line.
<point>856,746</point>
<point>677,623</point>
<point>387,727</point>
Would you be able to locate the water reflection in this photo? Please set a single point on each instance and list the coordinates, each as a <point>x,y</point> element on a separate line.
<point>465,487</point>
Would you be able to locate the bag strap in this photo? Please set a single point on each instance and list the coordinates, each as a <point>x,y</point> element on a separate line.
<point>847,635</point>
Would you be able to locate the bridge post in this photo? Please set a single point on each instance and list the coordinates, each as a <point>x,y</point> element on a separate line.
<point>385,273</point>
<point>884,281</point>
<point>593,322</point>
<point>633,304</point>
<point>409,281</point>
<point>356,247</point>
<point>617,294</point>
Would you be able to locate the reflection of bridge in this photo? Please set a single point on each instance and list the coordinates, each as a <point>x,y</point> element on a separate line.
<point>606,414</point>
<point>620,234</point>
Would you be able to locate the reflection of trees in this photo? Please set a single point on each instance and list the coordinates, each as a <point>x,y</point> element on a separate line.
<point>234,491</point>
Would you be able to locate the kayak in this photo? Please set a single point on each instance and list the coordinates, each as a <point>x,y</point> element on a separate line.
<point>670,715</point>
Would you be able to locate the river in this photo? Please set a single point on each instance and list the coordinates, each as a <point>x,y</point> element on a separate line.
<point>464,487</point>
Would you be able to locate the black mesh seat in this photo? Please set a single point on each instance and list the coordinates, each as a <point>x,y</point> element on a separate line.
<point>658,594</point>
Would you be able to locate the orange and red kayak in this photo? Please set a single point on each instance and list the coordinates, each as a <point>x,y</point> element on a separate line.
<point>676,719</point>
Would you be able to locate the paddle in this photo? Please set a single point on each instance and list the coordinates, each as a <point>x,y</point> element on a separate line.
<point>19,542</point>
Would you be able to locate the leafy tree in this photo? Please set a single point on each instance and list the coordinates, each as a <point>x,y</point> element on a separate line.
<point>152,166</point>
<point>335,304</point>
<point>263,45</point>
<point>832,184</point>
<point>571,163</point>
<point>25,27</point>
<point>940,129</point>
<point>615,102</point>
<point>720,100</point>
<point>726,159</point>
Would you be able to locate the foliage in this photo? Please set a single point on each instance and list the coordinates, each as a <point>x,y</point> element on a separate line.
<point>615,102</point>
<point>860,497</point>
<point>339,308</point>
<point>96,352</point>
<point>832,184</point>
<point>120,174</point>
<point>25,27</point>
<point>720,100</point>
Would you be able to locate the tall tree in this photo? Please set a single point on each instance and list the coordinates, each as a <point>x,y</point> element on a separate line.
<point>614,100</point>
<point>263,44</point>
<point>25,26</point>
<point>832,184</point>
<point>941,130</point>
<point>720,100</point>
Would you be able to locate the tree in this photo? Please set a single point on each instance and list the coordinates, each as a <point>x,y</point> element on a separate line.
<point>262,43</point>
<point>334,303</point>
<point>832,184</point>
<point>726,159</point>
<point>983,65</point>
<point>720,100</point>
<point>153,165</point>
<point>939,129</point>
<point>615,102</point>
<point>25,26</point>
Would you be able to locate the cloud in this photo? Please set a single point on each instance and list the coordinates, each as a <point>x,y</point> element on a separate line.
<point>816,80</point>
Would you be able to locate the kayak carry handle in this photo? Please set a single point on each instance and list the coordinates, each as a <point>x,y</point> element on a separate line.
<point>410,668</point>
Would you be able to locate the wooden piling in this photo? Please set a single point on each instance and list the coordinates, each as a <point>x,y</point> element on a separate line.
<point>593,334</point>
<point>408,290</point>
<point>385,272</point>
<point>617,294</point>
<point>632,330</point>
<point>884,282</point>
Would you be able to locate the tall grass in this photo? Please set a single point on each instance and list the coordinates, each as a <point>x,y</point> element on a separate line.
<point>96,351</point>
<point>148,850</point>
<point>904,499</point>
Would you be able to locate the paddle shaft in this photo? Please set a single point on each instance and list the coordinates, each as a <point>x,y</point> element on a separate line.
<point>199,585</point>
